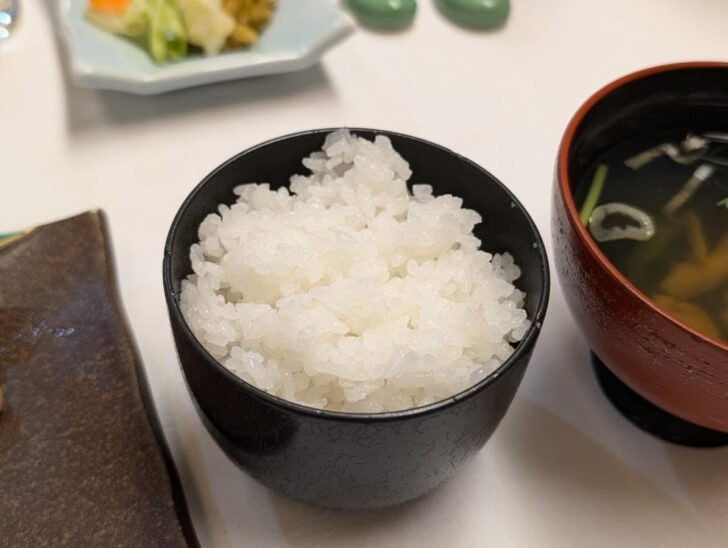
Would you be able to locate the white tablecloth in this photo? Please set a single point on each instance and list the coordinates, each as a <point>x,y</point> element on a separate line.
<point>564,468</point>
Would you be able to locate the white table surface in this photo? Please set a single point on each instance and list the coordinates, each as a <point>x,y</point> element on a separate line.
<point>563,469</point>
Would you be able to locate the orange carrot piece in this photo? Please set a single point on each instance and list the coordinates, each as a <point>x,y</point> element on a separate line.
<point>116,7</point>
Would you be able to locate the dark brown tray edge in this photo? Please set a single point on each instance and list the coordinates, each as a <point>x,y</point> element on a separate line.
<point>180,502</point>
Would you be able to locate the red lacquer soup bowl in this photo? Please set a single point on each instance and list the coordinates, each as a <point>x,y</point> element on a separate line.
<point>665,376</point>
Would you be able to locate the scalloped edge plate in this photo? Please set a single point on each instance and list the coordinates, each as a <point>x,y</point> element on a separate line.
<point>297,37</point>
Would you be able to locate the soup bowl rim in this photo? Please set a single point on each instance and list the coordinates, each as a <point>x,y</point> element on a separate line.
<point>572,212</point>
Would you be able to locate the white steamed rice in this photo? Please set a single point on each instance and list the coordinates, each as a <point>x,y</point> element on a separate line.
<point>349,293</point>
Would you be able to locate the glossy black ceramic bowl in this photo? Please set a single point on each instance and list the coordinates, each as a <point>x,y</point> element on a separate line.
<point>348,460</point>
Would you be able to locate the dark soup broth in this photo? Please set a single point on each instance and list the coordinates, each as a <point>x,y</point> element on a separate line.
<point>658,209</point>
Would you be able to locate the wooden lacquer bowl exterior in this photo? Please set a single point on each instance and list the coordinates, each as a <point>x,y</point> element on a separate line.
<point>657,356</point>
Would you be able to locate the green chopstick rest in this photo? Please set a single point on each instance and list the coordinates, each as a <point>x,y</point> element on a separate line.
<point>384,14</point>
<point>478,14</point>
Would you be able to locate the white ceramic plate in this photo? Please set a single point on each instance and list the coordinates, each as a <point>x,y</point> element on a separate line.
<point>296,38</point>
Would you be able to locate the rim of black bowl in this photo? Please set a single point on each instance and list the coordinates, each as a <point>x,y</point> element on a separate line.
<point>532,332</point>
<point>567,195</point>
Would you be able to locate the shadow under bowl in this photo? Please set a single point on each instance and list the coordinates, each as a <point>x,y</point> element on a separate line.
<point>662,374</point>
<point>348,460</point>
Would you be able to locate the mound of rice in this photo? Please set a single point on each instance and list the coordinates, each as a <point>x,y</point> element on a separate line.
<point>349,293</point>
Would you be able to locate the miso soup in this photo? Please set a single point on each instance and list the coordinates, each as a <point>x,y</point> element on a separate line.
<point>658,209</point>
